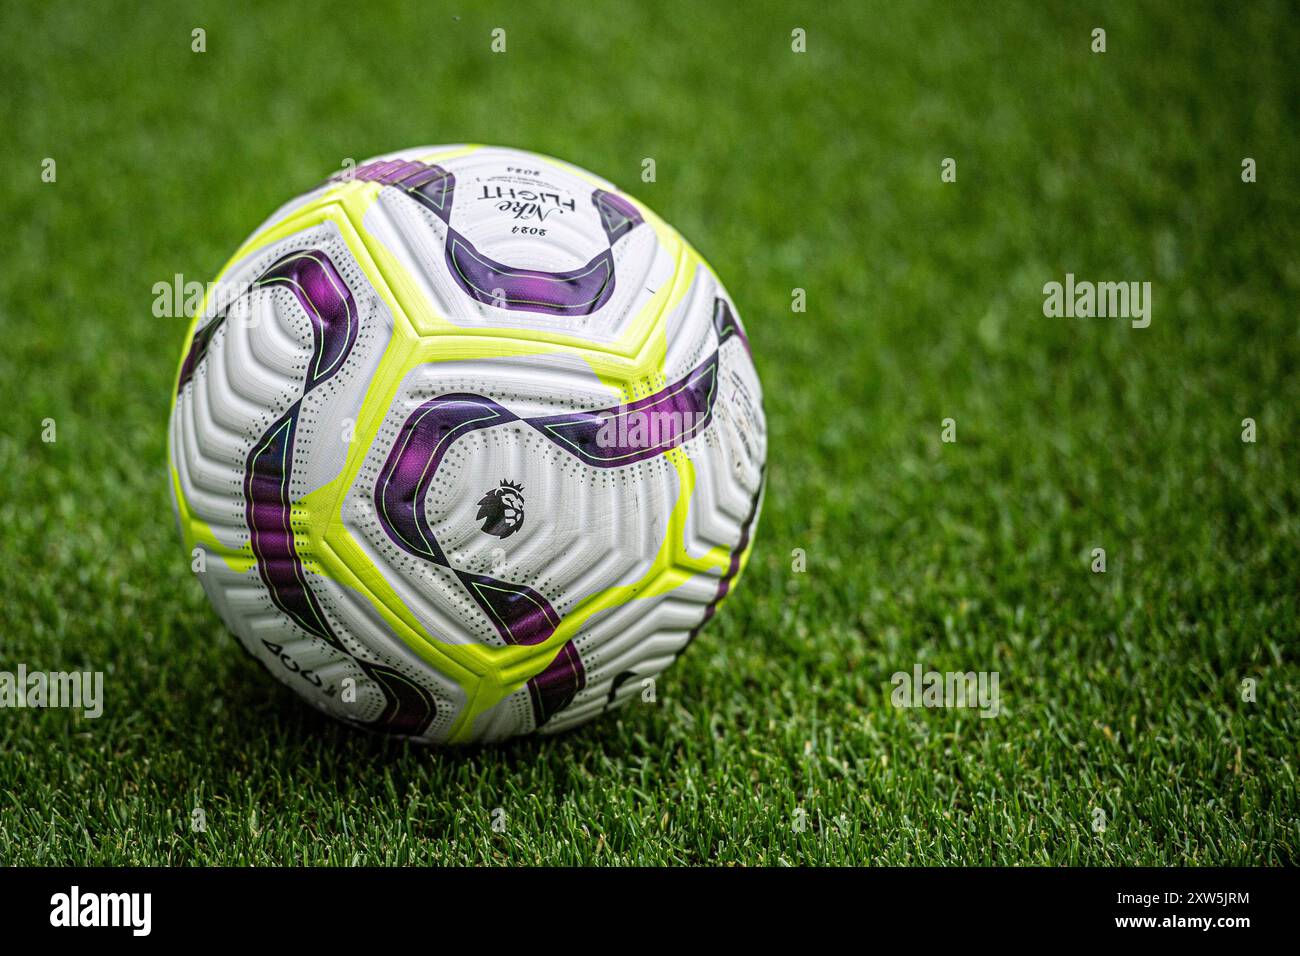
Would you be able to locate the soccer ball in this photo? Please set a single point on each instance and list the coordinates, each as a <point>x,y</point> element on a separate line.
<point>467,444</point>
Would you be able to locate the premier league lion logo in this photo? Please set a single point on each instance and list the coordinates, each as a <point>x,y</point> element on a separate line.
<point>503,509</point>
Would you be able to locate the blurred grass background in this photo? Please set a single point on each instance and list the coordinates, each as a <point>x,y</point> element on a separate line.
<point>773,740</point>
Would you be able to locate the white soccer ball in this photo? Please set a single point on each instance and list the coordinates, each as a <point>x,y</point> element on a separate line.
<point>467,444</point>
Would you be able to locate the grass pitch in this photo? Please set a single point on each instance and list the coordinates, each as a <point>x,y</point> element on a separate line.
<point>1125,735</point>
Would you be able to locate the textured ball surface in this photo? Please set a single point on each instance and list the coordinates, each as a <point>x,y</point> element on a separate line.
<point>467,444</point>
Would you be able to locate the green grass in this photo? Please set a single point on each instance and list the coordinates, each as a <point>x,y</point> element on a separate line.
<point>1121,691</point>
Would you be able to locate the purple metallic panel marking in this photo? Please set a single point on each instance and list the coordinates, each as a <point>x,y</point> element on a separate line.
<point>644,429</point>
<point>725,323</point>
<point>434,188</point>
<point>579,291</point>
<point>198,351</point>
<point>325,298</point>
<point>617,215</point>
<point>404,481</point>
<point>328,302</point>
<point>520,614</point>
<point>268,511</point>
<point>682,410</point>
<point>430,186</point>
<point>554,688</point>
<point>408,708</point>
